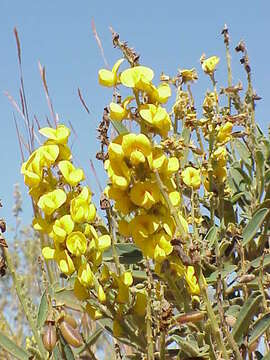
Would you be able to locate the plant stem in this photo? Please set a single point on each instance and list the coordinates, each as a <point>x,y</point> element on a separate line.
<point>23,302</point>
<point>212,317</point>
<point>148,317</point>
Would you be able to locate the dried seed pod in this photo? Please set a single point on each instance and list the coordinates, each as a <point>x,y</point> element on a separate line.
<point>193,317</point>
<point>2,225</point>
<point>71,335</point>
<point>246,278</point>
<point>70,320</point>
<point>49,337</point>
<point>230,320</point>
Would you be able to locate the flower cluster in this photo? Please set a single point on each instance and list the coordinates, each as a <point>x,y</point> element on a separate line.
<point>64,211</point>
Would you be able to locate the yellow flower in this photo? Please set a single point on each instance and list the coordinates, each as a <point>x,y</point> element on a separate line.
<point>109,78</point>
<point>224,133</point>
<point>85,275</point>
<point>191,177</point>
<point>62,227</point>
<point>140,303</point>
<point>220,156</point>
<point>138,77</point>
<point>118,172</point>
<point>57,136</point>
<point>117,329</point>
<point>76,243</point>
<point>40,224</point>
<point>120,112</point>
<point>62,258</point>
<point>80,291</point>
<point>103,242</point>
<point>101,294</point>
<point>136,147</point>
<point>72,175</point>
<point>123,228</point>
<point>121,198</point>
<point>157,117</point>
<point>192,281</point>
<point>145,194</point>
<point>81,209</point>
<point>52,201</point>
<point>142,226</point>
<point>123,283</point>
<point>32,170</point>
<point>209,65</point>
<point>188,75</point>
<point>175,198</point>
<point>163,246</point>
<point>164,92</point>
<point>93,312</point>
<point>157,158</point>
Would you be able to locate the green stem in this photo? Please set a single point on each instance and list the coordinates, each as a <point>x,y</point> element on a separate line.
<point>148,319</point>
<point>23,301</point>
<point>162,345</point>
<point>212,317</point>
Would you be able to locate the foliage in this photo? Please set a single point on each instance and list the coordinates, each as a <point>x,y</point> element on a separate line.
<point>174,262</point>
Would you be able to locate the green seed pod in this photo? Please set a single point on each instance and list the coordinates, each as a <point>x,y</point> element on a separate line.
<point>70,334</point>
<point>49,337</point>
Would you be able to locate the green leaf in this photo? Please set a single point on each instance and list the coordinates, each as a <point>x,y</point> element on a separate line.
<point>267,356</point>
<point>249,309</point>
<point>13,348</point>
<point>227,270</point>
<point>257,262</point>
<point>91,340</point>
<point>190,347</point>
<point>66,348</point>
<point>56,353</point>
<point>253,226</point>
<point>259,157</point>
<point>119,127</point>
<point>42,310</point>
<point>259,328</point>
<point>128,254</point>
<point>66,297</point>
<point>210,237</point>
<point>243,152</point>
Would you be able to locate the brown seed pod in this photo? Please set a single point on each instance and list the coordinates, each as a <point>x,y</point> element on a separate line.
<point>49,337</point>
<point>71,335</point>
<point>70,320</point>
<point>230,320</point>
<point>246,278</point>
<point>2,225</point>
<point>193,317</point>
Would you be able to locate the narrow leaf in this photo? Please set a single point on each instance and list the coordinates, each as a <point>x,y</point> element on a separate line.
<point>254,225</point>
<point>259,328</point>
<point>245,315</point>
<point>243,152</point>
<point>66,349</point>
<point>91,340</point>
<point>13,348</point>
<point>42,311</point>
<point>210,237</point>
<point>128,254</point>
<point>119,127</point>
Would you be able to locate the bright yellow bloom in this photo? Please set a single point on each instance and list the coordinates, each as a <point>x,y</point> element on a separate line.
<point>145,194</point>
<point>191,177</point>
<point>32,170</point>
<point>52,201</point>
<point>175,198</point>
<point>157,158</point>
<point>62,258</point>
<point>138,77</point>
<point>40,224</point>
<point>117,329</point>
<point>220,156</point>
<point>109,78</point>
<point>121,198</point>
<point>120,112</point>
<point>224,133</point>
<point>101,294</point>
<point>156,117</point>
<point>62,227</point>
<point>118,172</point>
<point>136,148</point>
<point>192,281</point>
<point>85,275</point>
<point>76,243</point>
<point>140,303</point>
<point>80,291</point>
<point>209,65</point>
<point>81,209</point>
<point>57,136</point>
<point>123,228</point>
<point>123,283</point>
<point>163,246</point>
<point>72,175</point>
<point>93,312</point>
<point>164,93</point>
<point>103,242</point>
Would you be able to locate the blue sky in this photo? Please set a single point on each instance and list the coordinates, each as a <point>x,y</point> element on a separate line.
<point>168,35</point>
